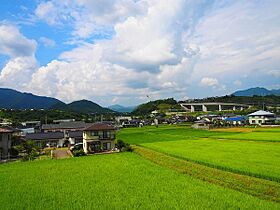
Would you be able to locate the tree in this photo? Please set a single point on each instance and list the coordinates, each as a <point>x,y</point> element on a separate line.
<point>30,150</point>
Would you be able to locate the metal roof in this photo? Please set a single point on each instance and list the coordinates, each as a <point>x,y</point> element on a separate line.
<point>76,134</point>
<point>235,119</point>
<point>261,113</point>
<point>66,125</point>
<point>44,136</point>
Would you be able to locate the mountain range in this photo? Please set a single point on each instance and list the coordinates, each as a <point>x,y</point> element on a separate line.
<point>12,99</point>
<point>258,91</point>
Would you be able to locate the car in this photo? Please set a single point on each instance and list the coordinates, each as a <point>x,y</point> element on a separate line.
<point>77,146</point>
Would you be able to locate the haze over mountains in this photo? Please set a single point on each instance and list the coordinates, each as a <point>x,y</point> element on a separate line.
<point>258,91</point>
<point>12,99</point>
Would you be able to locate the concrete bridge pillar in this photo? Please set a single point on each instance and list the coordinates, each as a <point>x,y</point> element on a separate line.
<point>233,108</point>
<point>220,108</point>
<point>204,108</point>
<point>192,108</point>
<point>241,108</point>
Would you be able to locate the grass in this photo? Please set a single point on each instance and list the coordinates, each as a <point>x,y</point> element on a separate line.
<point>249,158</point>
<point>257,187</point>
<point>246,154</point>
<point>116,181</point>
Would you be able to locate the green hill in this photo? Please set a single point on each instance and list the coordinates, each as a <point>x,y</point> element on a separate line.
<point>164,104</point>
<point>12,99</point>
<point>82,106</point>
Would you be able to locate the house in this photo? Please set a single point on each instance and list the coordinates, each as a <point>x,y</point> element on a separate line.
<point>50,139</point>
<point>75,137</point>
<point>99,137</point>
<point>5,142</point>
<point>261,117</point>
<point>237,120</point>
<point>65,126</point>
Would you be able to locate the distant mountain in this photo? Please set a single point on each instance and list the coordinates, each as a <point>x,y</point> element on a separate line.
<point>258,91</point>
<point>82,106</point>
<point>122,109</point>
<point>12,99</point>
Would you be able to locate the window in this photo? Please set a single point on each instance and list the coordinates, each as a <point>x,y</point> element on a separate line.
<point>253,121</point>
<point>94,133</point>
<point>260,121</point>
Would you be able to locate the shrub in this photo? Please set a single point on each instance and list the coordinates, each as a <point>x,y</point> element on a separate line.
<point>78,153</point>
<point>122,146</point>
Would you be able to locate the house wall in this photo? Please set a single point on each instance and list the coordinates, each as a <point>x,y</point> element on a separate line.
<point>5,144</point>
<point>258,120</point>
<point>90,136</point>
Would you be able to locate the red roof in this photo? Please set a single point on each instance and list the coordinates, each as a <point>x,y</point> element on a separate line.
<point>6,130</point>
<point>99,127</point>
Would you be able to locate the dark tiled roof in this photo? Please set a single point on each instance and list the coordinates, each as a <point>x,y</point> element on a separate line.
<point>44,136</point>
<point>76,134</point>
<point>99,127</point>
<point>66,125</point>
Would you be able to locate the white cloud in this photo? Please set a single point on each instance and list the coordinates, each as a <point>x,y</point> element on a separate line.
<point>167,48</point>
<point>207,81</point>
<point>13,43</point>
<point>47,42</point>
<point>17,72</point>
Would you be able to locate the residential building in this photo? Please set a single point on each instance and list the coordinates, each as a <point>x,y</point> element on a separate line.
<point>99,137</point>
<point>5,142</point>
<point>65,126</point>
<point>236,120</point>
<point>49,139</point>
<point>261,117</point>
<point>75,137</point>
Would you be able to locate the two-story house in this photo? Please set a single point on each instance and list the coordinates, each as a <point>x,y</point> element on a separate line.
<point>99,137</point>
<point>5,142</point>
<point>261,117</point>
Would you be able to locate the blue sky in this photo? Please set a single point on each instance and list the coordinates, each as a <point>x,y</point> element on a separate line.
<point>120,51</point>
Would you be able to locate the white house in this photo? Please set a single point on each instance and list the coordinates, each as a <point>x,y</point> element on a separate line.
<point>261,117</point>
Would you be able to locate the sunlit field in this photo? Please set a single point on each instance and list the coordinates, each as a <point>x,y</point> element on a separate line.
<point>244,153</point>
<point>117,181</point>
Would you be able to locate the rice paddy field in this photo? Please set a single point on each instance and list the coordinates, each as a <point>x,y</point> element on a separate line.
<point>250,151</point>
<point>172,167</point>
<point>116,181</point>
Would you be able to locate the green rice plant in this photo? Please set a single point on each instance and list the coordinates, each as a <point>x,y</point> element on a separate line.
<point>215,148</point>
<point>115,181</point>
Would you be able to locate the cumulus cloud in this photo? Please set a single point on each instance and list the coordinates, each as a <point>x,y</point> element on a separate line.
<point>13,43</point>
<point>167,48</point>
<point>21,50</point>
<point>17,72</point>
<point>207,81</point>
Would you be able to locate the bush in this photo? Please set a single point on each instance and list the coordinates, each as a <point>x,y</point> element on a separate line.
<point>78,153</point>
<point>30,156</point>
<point>122,146</point>
<point>127,148</point>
